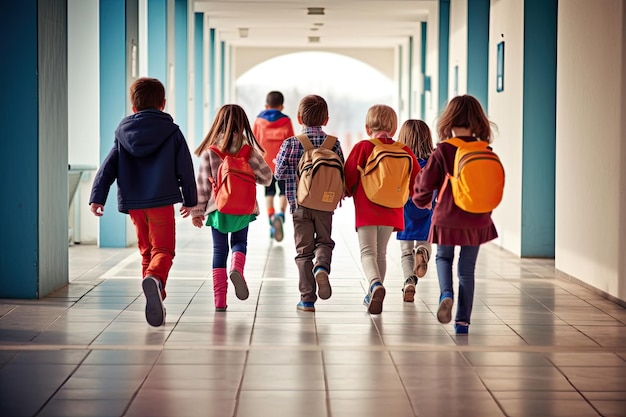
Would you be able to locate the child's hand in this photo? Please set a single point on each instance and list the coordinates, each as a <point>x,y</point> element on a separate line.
<point>97,209</point>
<point>185,211</point>
<point>198,221</point>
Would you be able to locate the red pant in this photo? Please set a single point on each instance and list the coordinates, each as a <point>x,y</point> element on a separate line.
<point>156,238</point>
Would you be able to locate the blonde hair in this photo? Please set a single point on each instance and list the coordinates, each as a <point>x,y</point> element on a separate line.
<point>416,135</point>
<point>465,111</point>
<point>381,118</point>
<point>230,127</point>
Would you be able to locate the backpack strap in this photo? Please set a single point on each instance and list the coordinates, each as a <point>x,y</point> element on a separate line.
<point>329,142</point>
<point>305,141</point>
<point>217,151</point>
<point>376,141</point>
<point>245,151</point>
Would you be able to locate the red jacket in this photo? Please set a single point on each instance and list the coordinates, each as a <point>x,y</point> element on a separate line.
<point>366,212</point>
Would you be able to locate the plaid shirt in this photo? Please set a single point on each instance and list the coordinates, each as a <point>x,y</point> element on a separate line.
<point>289,156</point>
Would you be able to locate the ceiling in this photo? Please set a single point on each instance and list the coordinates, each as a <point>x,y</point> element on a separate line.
<point>287,24</point>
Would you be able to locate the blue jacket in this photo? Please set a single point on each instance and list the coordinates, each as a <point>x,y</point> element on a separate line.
<point>416,220</point>
<point>150,161</point>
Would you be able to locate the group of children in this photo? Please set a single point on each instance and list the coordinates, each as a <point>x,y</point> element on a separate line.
<point>148,144</point>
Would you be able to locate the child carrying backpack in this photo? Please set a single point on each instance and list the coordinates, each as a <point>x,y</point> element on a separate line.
<point>311,165</point>
<point>230,167</point>
<point>452,225</point>
<point>379,214</point>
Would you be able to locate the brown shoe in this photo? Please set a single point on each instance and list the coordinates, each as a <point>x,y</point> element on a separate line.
<point>421,261</point>
<point>408,290</point>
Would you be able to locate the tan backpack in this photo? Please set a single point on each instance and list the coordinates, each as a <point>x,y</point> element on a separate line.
<point>320,175</point>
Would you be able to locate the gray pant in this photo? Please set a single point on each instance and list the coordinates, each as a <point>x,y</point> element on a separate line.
<point>373,242</point>
<point>312,230</point>
<point>407,260</point>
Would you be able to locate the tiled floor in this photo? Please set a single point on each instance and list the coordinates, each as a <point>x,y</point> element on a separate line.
<point>538,346</point>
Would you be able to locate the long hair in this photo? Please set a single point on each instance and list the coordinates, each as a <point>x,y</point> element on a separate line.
<point>416,135</point>
<point>230,130</point>
<point>465,111</point>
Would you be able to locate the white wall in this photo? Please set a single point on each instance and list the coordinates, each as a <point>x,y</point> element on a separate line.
<point>590,184</point>
<point>83,108</point>
<point>505,109</point>
<point>432,65</point>
<point>458,48</point>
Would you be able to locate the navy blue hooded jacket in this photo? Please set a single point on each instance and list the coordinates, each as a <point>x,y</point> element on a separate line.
<point>151,162</point>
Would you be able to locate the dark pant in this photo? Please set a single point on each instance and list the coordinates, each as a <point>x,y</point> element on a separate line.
<point>270,190</point>
<point>466,267</point>
<point>238,243</point>
<point>312,230</point>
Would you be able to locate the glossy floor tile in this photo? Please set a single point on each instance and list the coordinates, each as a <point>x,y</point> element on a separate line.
<point>538,345</point>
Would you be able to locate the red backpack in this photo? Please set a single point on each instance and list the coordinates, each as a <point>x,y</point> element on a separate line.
<point>234,188</point>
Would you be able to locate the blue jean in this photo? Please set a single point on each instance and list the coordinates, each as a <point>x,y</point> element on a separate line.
<point>466,267</point>
<point>238,243</point>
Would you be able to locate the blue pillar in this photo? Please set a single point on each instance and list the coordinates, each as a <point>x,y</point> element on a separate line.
<point>444,46</point>
<point>212,95</point>
<point>113,107</point>
<point>539,128</point>
<point>478,50</point>
<point>180,60</point>
<point>222,72</point>
<point>34,160</point>
<point>426,85</point>
<point>157,40</point>
<point>199,76</point>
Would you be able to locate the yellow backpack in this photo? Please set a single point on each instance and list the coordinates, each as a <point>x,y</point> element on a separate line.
<point>387,174</point>
<point>478,178</point>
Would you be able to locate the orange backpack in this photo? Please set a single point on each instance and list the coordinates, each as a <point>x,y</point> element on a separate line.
<point>478,178</point>
<point>234,189</point>
<point>387,174</point>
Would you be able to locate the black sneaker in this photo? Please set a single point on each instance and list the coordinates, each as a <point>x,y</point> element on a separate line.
<point>155,312</point>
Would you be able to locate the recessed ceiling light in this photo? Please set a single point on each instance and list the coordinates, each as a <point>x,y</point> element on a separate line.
<point>314,39</point>
<point>316,11</point>
<point>318,24</point>
<point>243,32</point>
<point>314,29</point>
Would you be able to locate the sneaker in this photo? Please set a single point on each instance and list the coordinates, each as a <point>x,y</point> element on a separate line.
<point>461,327</point>
<point>155,312</point>
<point>374,298</point>
<point>323,284</point>
<point>306,306</point>
<point>277,224</point>
<point>408,290</point>
<point>421,261</point>
<point>444,312</point>
<point>272,227</point>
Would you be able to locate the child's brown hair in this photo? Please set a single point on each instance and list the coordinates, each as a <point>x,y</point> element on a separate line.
<point>416,135</point>
<point>313,111</point>
<point>464,111</point>
<point>147,93</point>
<point>230,126</point>
<point>381,118</point>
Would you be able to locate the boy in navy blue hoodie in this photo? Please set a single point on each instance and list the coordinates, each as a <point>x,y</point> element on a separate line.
<point>152,165</point>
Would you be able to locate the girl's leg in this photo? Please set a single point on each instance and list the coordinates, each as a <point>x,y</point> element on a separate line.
<point>383,234</point>
<point>406,257</point>
<point>367,244</point>
<point>466,268</point>
<point>239,245</point>
<point>443,260</point>
<point>220,280</point>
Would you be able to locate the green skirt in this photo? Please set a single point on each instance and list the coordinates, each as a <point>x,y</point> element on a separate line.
<point>228,223</point>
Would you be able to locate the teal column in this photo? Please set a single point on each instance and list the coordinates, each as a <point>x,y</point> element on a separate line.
<point>199,76</point>
<point>180,59</point>
<point>222,72</point>
<point>212,95</point>
<point>34,159</point>
<point>539,128</point>
<point>444,46</point>
<point>426,80</point>
<point>157,40</point>
<point>410,86</point>
<point>478,50</point>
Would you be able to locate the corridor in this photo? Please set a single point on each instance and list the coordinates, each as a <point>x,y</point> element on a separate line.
<point>538,346</point>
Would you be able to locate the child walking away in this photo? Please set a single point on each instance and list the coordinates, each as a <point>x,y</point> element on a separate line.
<point>414,246</point>
<point>452,226</point>
<point>379,175</point>
<point>231,163</point>
<point>271,128</point>
<point>312,197</point>
<point>152,165</point>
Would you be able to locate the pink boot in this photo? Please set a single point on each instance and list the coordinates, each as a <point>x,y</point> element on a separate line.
<point>220,287</point>
<point>236,275</point>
